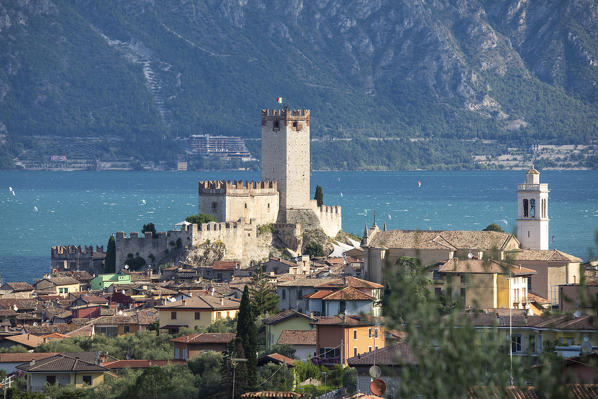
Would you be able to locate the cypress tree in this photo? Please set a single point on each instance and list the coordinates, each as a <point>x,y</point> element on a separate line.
<point>247,336</point>
<point>319,197</point>
<point>110,261</point>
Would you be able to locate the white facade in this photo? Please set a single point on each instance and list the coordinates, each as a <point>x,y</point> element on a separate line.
<point>532,212</point>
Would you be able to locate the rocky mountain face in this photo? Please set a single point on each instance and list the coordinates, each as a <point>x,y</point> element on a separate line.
<point>524,70</point>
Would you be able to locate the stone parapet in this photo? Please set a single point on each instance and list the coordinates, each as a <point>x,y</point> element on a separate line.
<point>247,188</point>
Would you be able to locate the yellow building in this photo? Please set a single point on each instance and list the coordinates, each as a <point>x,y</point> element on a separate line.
<point>483,284</point>
<point>200,311</point>
<point>78,369</point>
<point>61,285</point>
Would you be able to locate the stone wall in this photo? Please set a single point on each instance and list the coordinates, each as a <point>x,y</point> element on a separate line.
<point>330,217</point>
<point>230,201</point>
<point>239,238</point>
<point>75,257</point>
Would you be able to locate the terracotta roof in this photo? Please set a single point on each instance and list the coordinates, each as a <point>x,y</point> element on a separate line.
<point>304,282</point>
<point>297,337</point>
<point>320,294</point>
<point>225,265</point>
<point>551,255</point>
<point>449,240</point>
<point>202,302</point>
<point>205,338</point>
<point>286,314</point>
<point>555,322</point>
<point>28,340</point>
<point>22,304</point>
<point>24,357</point>
<point>348,294</point>
<point>90,298</point>
<point>62,362</point>
<point>84,331</point>
<point>114,320</point>
<point>510,392</point>
<point>482,266</point>
<point>140,363</point>
<point>277,358</point>
<point>18,286</point>
<point>350,281</point>
<point>347,320</point>
<point>335,261</point>
<point>537,298</point>
<point>392,355</point>
<point>63,280</point>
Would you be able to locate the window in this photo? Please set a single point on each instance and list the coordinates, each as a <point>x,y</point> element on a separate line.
<point>87,379</point>
<point>463,279</point>
<point>295,124</point>
<point>284,294</point>
<point>525,208</point>
<point>375,333</point>
<point>532,208</point>
<point>176,353</point>
<point>539,344</point>
<point>60,291</point>
<point>108,331</point>
<point>369,348</point>
<point>354,351</point>
<point>375,348</point>
<point>370,333</point>
<point>218,315</point>
<point>516,343</point>
<point>532,343</point>
<point>343,307</point>
<point>51,379</point>
<point>354,334</point>
<point>126,329</point>
<point>172,315</point>
<point>246,205</point>
<point>184,351</point>
<point>438,292</point>
<point>197,315</point>
<point>214,205</point>
<point>529,284</point>
<point>276,124</point>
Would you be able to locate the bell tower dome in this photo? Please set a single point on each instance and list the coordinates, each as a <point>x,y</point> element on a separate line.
<point>532,212</point>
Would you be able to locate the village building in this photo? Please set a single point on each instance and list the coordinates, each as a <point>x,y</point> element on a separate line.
<point>60,285</point>
<point>103,281</point>
<point>195,312</point>
<point>340,337</point>
<point>286,320</point>
<point>481,284</point>
<point>81,370</point>
<point>193,345</point>
<point>303,342</point>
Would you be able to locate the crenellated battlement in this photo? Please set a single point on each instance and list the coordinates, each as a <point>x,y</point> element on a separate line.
<point>69,250</point>
<point>296,114</point>
<point>222,187</point>
<point>330,209</point>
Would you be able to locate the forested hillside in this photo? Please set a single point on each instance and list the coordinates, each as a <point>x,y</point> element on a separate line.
<point>147,72</point>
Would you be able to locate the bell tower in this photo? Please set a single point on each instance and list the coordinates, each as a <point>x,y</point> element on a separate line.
<point>532,212</point>
<point>286,159</point>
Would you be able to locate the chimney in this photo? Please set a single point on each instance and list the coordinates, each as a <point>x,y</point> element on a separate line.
<point>221,301</point>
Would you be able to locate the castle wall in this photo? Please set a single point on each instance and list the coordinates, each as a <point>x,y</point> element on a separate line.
<point>239,239</point>
<point>230,201</point>
<point>330,218</point>
<point>71,257</point>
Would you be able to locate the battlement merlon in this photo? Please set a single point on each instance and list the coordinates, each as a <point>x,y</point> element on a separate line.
<point>221,187</point>
<point>86,250</point>
<point>286,114</point>
<point>330,209</point>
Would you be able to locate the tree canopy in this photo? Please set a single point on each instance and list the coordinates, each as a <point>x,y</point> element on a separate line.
<point>110,260</point>
<point>200,218</point>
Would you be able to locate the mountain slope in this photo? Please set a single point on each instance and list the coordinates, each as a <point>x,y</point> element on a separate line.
<point>517,71</point>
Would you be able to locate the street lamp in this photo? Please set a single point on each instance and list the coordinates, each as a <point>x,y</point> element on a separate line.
<point>324,375</point>
<point>234,361</point>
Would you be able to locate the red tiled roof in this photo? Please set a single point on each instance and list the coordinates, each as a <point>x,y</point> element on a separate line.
<point>320,294</point>
<point>350,281</point>
<point>205,338</point>
<point>225,264</point>
<point>348,320</point>
<point>202,302</point>
<point>348,294</point>
<point>278,358</point>
<point>286,314</point>
<point>19,286</point>
<point>28,340</point>
<point>23,357</point>
<point>61,362</point>
<point>388,356</point>
<point>297,337</point>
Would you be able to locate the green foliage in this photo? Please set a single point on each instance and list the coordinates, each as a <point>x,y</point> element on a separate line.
<point>307,370</point>
<point>141,345</point>
<point>201,218</point>
<point>263,293</point>
<point>314,249</point>
<point>209,368</point>
<point>149,228</point>
<point>275,377</point>
<point>163,382</point>
<point>135,262</point>
<point>286,350</point>
<point>319,196</point>
<point>110,260</point>
<point>266,228</point>
<point>494,227</point>
<point>14,349</point>
<point>247,339</point>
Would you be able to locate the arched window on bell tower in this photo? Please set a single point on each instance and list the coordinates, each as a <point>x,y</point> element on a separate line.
<point>525,208</point>
<point>532,208</point>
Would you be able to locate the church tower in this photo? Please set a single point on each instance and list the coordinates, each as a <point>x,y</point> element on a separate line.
<point>532,212</point>
<point>286,159</point>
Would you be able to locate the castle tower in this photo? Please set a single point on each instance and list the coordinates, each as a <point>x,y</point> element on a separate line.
<point>532,212</point>
<point>286,159</point>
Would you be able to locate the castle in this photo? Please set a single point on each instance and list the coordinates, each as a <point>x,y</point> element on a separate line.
<point>282,199</point>
<point>71,257</point>
<point>283,194</point>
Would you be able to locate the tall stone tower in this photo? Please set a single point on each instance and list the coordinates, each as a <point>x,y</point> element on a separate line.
<point>286,159</point>
<point>532,212</point>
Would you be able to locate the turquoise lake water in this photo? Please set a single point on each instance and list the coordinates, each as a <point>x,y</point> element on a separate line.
<point>60,208</point>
